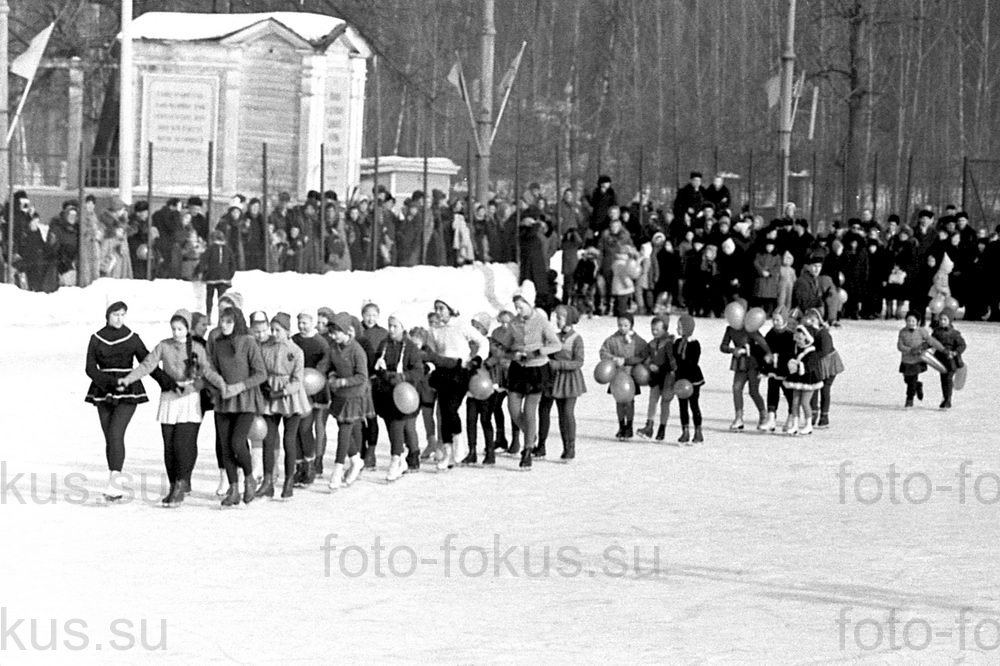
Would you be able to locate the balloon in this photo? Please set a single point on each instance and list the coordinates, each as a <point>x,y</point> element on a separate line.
<point>142,252</point>
<point>842,294</point>
<point>604,371</point>
<point>633,269</point>
<point>793,365</point>
<point>406,399</point>
<point>683,389</point>
<point>622,387</point>
<point>640,374</point>
<point>754,319</point>
<point>258,429</point>
<point>952,303</point>
<point>932,361</point>
<point>313,380</point>
<point>937,304</point>
<point>735,314</point>
<point>480,386</point>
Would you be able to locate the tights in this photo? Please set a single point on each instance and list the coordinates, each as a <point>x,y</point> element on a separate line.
<point>524,414</point>
<point>402,431</point>
<point>692,404</point>
<point>566,409</point>
<point>114,421</point>
<point>306,440</point>
<point>821,398</point>
<point>481,411</point>
<point>233,430</point>
<point>750,379</point>
<point>775,389</point>
<point>180,450</point>
<point>348,440</point>
<point>290,432</point>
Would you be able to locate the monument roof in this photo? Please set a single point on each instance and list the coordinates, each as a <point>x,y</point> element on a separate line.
<point>318,30</point>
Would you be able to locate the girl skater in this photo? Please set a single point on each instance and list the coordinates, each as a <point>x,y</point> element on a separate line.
<point>951,357</point>
<point>109,357</point>
<point>236,356</point>
<point>661,376</point>
<point>567,383</point>
<point>781,341</point>
<point>351,402</point>
<point>687,354</point>
<point>286,403</point>
<point>530,375</point>
<point>500,342</point>
<point>750,353</point>
<point>913,341</point>
<point>803,378</point>
<point>830,365</point>
<point>397,360</point>
<point>480,412</point>
<point>625,348</point>
<point>453,362</point>
<point>428,396</point>
<point>180,413</point>
<point>316,354</point>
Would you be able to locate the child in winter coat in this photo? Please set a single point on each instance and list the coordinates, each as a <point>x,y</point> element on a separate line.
<point>643,284</point>
<point>501,344</point>
<point>217,267</point>
<point>950,356</point>
<point>622,282</point>
<point>786,283</point>
<point>191,253</point>
<point>428,396</point>
<point>625,348</point>
<point>585,281</point>
<point>397,360</point>
<point>750,353</point>
<point>687,353</point>
<point>661,376</point>
<point>567,383</point>
<point>913,341</point>
<point>803,378</point>
<point>781,341</point>
<point>481,411</point>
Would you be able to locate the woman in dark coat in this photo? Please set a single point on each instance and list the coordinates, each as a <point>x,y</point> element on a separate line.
<point>767,266</point>
<point>397,359</point>
<point>534,266</point>
<point>255,237</point>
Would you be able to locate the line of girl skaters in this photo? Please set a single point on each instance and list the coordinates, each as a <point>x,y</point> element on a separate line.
<point>248,373</point>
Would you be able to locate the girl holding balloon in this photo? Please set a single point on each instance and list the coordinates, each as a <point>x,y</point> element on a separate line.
<point>567,383</point>
<point>688,379</point>
<point>479,401</point>
<point>624,349</point>
<point>398,369</point>
<point>316,355</point>
<point>913,341</point>
<point>285,402</point>
<point>830,366</point>
<point>661,376</point>
<point>781,340</point>
<point>351,400</point>
<point>750,353</point>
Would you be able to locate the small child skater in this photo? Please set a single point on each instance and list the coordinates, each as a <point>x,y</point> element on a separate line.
<point>428,396</point>
<point>913,341</point>
<point>480,412</point>
<point>803,378</point>
<point>567,383</point>
<point>585,281</point>
<point>625,348</point>
<point>951,356</point>
<point>661,376</point>
<point>750,353</point>
<point>781,340</point>
<point>687,354</point>
<point>501,343</point>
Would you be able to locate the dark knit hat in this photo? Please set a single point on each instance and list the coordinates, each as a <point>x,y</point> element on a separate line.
<point>947,312</point>
<point>603,179</point>
<point>628,316</point>
<point>342,322</point>
<point>195,201</point>
<point>685,324</point>
<point>326,312</point>
<point>572,314</point>
<point>282,319</point>
<point>115,307</point>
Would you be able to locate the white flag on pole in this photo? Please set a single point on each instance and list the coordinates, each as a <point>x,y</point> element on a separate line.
<point>26,64</point>
<point>773,89</point>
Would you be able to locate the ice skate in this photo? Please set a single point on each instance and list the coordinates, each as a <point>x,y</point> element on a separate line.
<point>114,491</point>
<point>444,458</point>
<point>413,461</point>
<point>266,488</point>
<point>792,427</point>
<point>471,458</point>
<point>490,457</point>
<point>920,391</point>
<point>647,431</point>
<point>698,437</point>
<point>770,425</point>
<point>357,465</point>
<point>945,404</point>
<point>763,421</point>
<point>287,489</point>
<point>661,432</point>
<point>232,497</point>
<point>525,463</point>
<point>807,429</point>
<point>336,481</point>
<point>249,490</point>
<point>737,423</point>
<point>685,435</point>
<point>396,468</point>
<point>824,422</point>
<point>223,488</point>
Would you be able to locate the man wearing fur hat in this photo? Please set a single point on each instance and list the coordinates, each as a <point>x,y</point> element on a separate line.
<point>813,290</point>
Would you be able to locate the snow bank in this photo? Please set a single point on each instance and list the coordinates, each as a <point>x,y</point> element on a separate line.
<point>410,291</point>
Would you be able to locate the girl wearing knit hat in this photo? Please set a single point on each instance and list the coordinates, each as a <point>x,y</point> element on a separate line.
<point>312,427</point>
<point>397,360</point>
<point>530,373</point>
<point>687,354</point>
<point>180,413</point>
<point>749,353</point>
<point>951,356</point>
<point>913,341</point>
<point>286,401</point>
<point>803,378</point>
<point>351,402</point>
<point>110,355</point>
<point>625,348</point>
<point>567,383</point>
<point>830,365</point>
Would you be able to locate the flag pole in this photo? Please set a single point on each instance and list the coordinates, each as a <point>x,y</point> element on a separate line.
<point>506,95</point>
<point>20,108</point>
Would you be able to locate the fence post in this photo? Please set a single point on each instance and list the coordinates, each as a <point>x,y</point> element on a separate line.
<point>211,177</point>
<point>9,276</point>
<point>150,253</point>
<point>641,155</point>
<point>812,195</point>
<point>427,211</point>
<point>965,176</point>
<point>517,190</point>
<point>558,197</point>
<point>875,186</point>
<point>909,174</point>
<point>749,196</point>
<point>322,208</point>
<point>80,244</point>
<point>263,206</point>
<point>843,190</point>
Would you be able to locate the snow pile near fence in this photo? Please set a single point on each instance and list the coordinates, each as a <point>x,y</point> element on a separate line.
<point>409,291</point>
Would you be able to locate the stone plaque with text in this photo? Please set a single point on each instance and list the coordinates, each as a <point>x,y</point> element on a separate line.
<point>179,117</point>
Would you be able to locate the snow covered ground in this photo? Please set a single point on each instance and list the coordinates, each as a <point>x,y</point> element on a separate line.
<point>861,543</point>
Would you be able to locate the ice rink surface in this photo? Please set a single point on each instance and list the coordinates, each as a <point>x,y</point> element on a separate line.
<point>875,541</point>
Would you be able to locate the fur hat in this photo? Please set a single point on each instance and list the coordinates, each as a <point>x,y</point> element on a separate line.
<point>947,312</point>
<point>282,319</point>
<point>685,324</point>
<point>628,316</point>
<point>483,319</point>
<point>808,334</point>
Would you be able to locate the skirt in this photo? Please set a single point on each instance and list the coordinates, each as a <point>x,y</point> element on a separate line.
<point>830,365</point>
<point>912,369</point>
<point>527,380</point>
<point>353,408</point>
<point>568,384</point>
<point>176,409</point>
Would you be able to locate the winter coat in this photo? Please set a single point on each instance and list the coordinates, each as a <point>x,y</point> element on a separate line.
<point>110,354</point>
<point>238,359</point>
<point>812,292</point>
<point>218,264</point>
<point>631,347</point>
<point>914,343</point>
<point>283,391</point>
<point>953,347</point>
<point>395,362</point>
<point>766,286</point>
<point>687,354</point>
<point>753,343</point>
<point>567,367</point>
<point>536,338</point>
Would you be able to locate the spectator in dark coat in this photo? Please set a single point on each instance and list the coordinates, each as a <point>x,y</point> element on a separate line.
<point>767,266</point>
<point>170,237</point>
<point>813,290</point>
<point>718,194</point>
<point>690,198</point>
<point>601,200</point>
<point>533,264</point>
<point>40,256</point>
